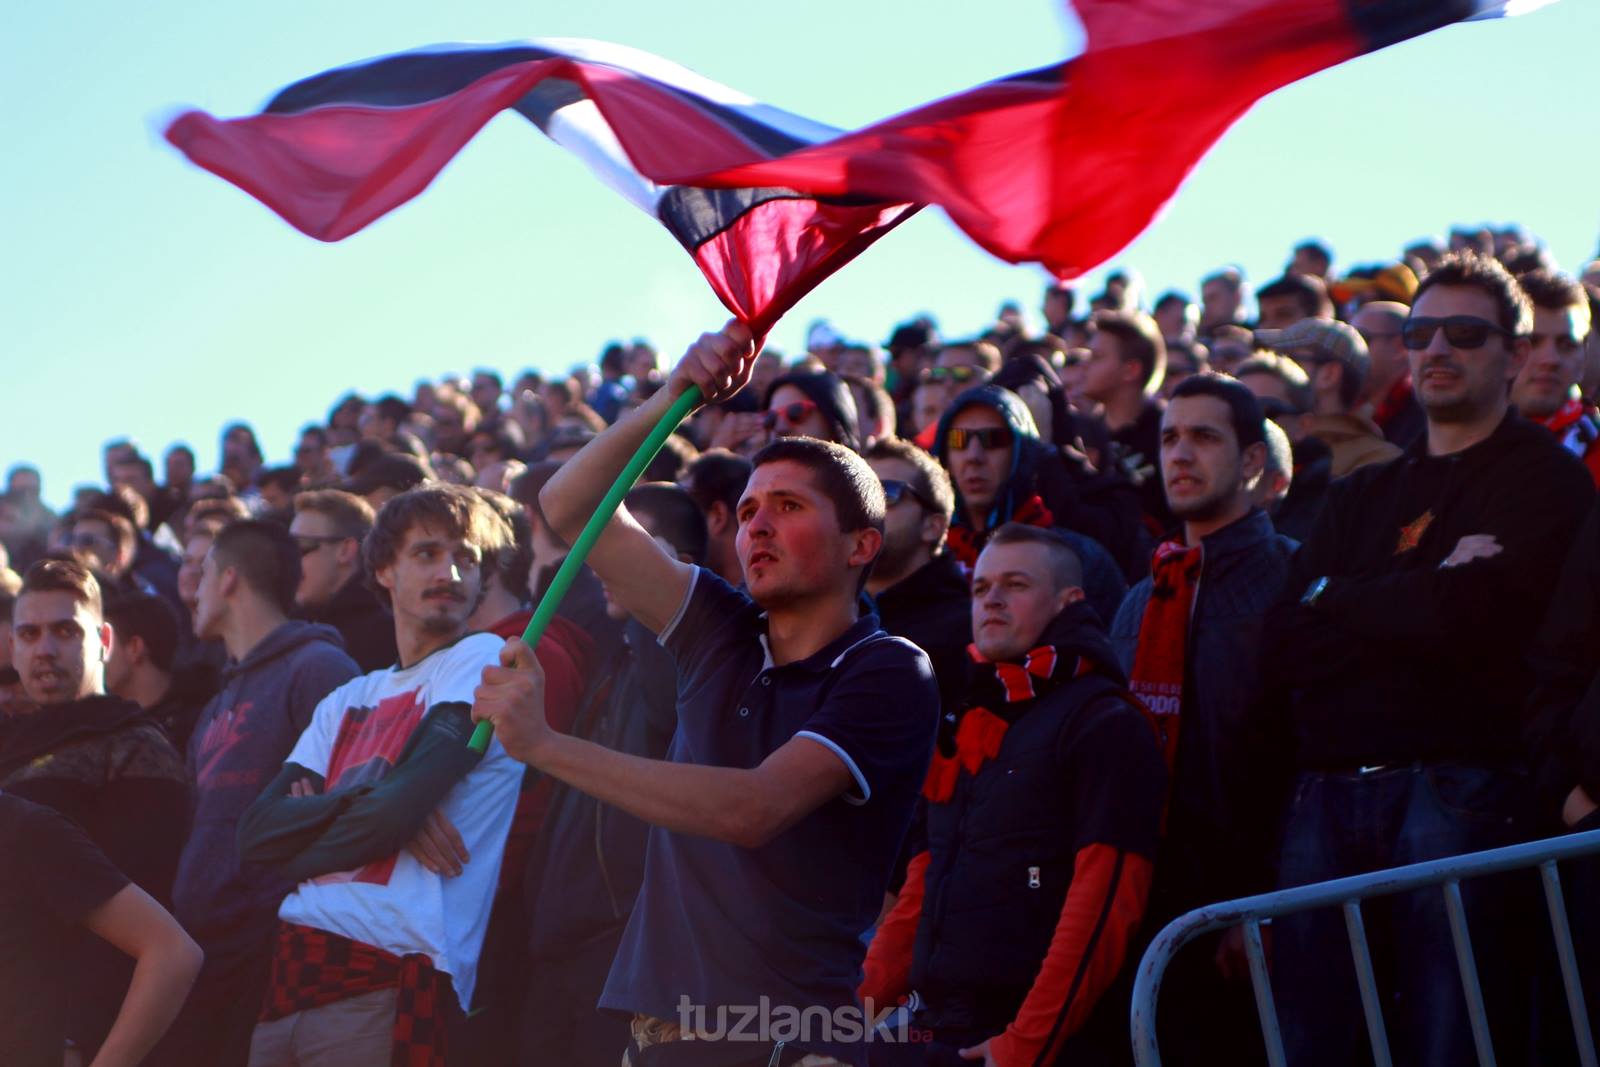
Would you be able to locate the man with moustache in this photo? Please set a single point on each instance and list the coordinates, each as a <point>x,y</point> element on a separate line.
<point>1189,637</point>
<point>1449,554</point>
<point>803,736</point>
<point>375,953</point>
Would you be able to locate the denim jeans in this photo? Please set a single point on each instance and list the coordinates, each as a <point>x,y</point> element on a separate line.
<point>1347,823</point>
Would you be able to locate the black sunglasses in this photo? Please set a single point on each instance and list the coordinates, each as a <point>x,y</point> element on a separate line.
<point>308,543</point>
<point>895,490</point>
<point>989,437</point>
<point>1460,331</point>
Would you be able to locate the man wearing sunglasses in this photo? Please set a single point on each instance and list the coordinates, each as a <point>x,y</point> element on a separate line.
<point>1335,360</point>
<point>328,528</point>
<point>1401,649</point>
<point>959,366</point>
<point>920,591</point>
<point>1546,390</point>
<point>815,404</point>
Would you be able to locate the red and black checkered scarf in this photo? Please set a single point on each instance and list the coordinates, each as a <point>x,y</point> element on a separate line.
<point>1159,664</point>
<point>1002,692</point>
<point>313,968</point>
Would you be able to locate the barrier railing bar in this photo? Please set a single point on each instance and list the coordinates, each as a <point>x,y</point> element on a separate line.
<point>1569,963</point>
<point>1261,982</point>
<point>1544,853</point>
<point>1371,1004</point>
<point>1476,1013</point>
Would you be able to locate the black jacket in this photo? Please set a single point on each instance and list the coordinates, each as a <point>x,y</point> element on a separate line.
<point>588,864</point>
<point>1401,659</point>
<point>1080,766</point>
<point>367,629</point>
<point>932,608</point>
<point>1228,768</point>
<point>1562,721</point>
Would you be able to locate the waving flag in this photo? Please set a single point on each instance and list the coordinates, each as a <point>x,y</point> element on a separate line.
<point>1062,166</point>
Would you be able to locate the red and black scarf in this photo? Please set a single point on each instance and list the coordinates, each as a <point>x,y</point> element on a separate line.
<point>1393,402</point>
<point>1002,692</point>
<point>313,968</point>
<point>1159,664</point>
<point>965,542</point>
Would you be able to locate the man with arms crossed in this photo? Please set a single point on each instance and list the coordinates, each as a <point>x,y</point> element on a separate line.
<point>804,732</point>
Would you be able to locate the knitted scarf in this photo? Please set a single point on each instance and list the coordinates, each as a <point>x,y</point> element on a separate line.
<point>1002,692</point>
<point>965,542</point>
<point>1159,663</point>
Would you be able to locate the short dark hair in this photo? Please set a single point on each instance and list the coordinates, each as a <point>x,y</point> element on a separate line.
<point>265,557</point>
<point>1243,409</point>
<point>457,510</point>
<point>64,576</point>
<point>1484,273</point>
<point>150,619</point>
<point>931,481</point>
<point>1552,290</point>
<point>717,476</point>
<point>1317,248</point>
<point>285,478</point>
<point>120,525</point>
<point>841,475</point>
<point>1066,570</point>
<point>677,452</point>
<point>136,459</point>
<point>316,431</point>
<point>987,351</point>
<point>1138,338</point>
<point>392,408</point>
<point>513,563</point>
<point>1172,296</point>
<point>1309,292</point>
<point>675,515</point>
<point>351,515</point>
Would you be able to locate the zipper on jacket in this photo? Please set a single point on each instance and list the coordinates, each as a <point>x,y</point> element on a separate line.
<point>600,858</point>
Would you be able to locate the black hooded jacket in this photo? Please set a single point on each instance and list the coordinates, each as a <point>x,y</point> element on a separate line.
<point>367,629</point>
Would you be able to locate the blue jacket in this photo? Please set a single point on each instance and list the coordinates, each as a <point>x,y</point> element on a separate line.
<point>1227,761</point>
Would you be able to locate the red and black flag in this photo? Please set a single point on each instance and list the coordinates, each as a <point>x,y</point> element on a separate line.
<point>1063,166</point>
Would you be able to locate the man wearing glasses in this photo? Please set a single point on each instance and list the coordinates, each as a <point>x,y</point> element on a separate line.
<point>920,590</point>
<point>1335,360</point>
<point>1401,652</point>
<point>1388,388</point>
<point>1546,390</point>
<point>328,528</point>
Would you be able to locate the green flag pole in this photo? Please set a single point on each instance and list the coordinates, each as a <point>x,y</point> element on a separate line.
<point>591,533</point>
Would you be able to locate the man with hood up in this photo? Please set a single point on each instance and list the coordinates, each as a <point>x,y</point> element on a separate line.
<point>989,443</point>
<point>279,669</point>
<point>1042,815</point>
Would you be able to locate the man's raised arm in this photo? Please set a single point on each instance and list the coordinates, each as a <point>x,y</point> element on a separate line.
<point>650,584</point>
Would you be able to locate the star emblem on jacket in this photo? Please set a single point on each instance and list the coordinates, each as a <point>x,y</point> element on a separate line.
<point>1411,533</point>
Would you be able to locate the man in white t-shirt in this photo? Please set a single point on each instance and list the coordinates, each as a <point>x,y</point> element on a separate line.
<point>375,952</point>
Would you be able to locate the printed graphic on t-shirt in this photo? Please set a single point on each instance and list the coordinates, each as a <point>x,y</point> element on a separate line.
<point>368,746</point>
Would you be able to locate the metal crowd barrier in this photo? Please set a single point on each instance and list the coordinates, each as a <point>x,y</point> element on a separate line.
<point>1347,894</point>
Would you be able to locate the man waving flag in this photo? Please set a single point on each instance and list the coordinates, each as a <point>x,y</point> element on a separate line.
<point>1063,166</point>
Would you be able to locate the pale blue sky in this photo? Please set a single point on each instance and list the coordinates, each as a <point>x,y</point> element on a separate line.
<point>144,297</point>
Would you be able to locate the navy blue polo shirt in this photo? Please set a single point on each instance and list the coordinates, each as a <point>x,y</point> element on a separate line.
<point>724,925</point>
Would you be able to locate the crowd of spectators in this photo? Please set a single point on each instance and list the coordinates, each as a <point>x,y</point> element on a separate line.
<point>1181,599</point>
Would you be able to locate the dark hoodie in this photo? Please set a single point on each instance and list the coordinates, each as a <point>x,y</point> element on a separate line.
<point>832,396</point>
<point>192,686</point>
<point>240,742</point>
<point>1031,461</point>
<point>367,629</point>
